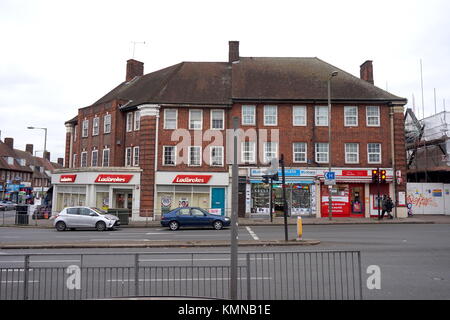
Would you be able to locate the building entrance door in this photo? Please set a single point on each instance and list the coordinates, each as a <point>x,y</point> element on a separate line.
<point>218,199</point>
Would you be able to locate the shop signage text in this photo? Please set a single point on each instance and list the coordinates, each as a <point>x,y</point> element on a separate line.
<point>354,173</point>
<point>68,178</point>
<point>114,178</point>
<point>192,178</point>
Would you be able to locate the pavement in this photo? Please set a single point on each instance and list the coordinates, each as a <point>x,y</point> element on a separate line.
<point>417,219</point>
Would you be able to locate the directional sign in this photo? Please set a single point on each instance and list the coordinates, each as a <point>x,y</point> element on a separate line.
<point>330,175</point>
<point>330,178</point>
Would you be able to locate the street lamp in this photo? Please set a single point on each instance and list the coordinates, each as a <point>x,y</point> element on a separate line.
<point>330,202</point>
<point>43,156</point>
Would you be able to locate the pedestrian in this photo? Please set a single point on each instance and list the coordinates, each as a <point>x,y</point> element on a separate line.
<point>386,206</point>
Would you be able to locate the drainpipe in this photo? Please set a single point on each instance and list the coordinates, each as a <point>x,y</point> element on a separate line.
<point>391,117</point>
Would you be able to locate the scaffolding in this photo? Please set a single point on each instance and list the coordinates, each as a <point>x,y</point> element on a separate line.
<point>428,147</point>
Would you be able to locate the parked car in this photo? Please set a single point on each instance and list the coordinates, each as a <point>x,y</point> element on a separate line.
<point>6,205</point>
<point>85,217</point>
<point>193,217</point>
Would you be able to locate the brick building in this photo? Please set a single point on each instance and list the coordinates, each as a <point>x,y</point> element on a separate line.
<point>167,134</point>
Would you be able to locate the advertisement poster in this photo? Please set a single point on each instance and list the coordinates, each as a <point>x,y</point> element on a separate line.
<point>184,202</point>
<point>341,206</point>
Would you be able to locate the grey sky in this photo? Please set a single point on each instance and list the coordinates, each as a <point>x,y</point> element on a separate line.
<point>58,56</point>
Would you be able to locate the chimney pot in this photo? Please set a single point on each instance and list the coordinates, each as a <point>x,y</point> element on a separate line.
<point>47,155</point>
<point>9,142</point>
<point>134,69</point>
<point>29,148</point>
<point>233,51</point>
<point>366,71</point>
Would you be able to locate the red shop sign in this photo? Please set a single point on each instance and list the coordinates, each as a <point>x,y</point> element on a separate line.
<point>191,178</point>
<point>354,173</point>
<point>67,178</point>
<point>114,178</point>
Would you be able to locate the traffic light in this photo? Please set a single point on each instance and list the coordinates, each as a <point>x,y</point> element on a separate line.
<point>382,176</point>
<point>275,177</point>
<point>375,176</point>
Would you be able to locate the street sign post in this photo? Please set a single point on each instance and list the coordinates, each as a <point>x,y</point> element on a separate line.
<point>330,178</point>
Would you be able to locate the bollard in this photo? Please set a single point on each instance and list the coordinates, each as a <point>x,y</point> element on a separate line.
<point>299,228</point>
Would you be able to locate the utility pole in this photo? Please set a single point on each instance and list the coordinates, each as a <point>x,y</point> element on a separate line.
<point>285,208</point>
<point>234,215</point>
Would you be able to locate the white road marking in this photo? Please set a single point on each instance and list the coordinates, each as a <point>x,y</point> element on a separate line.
<point>19,281</point>
<point>254,236</point>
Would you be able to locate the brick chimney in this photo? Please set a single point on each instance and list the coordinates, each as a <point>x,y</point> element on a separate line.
<point>233,51</point>
<point>47,155</point>
<point>134,69</point>
<point>366,71</point>
<point>61,162</point>
<point>29,148</point>
<point>9,142</point>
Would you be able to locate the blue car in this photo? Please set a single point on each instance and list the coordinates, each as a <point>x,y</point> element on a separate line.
<point>193,217</point>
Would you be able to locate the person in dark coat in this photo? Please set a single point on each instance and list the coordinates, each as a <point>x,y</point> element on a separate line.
<point>386,206</point>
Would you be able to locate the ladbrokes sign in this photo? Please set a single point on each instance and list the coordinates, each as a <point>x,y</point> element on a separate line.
<point>113,178</point>
<point>68,178</point>
<point>191,178</point>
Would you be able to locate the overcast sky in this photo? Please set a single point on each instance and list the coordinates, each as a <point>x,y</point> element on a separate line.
<point>58,56</point>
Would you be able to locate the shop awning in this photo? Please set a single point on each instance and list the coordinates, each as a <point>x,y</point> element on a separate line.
<point>287,181</point>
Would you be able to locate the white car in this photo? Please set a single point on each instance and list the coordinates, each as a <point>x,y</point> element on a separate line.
<point>85,217</point>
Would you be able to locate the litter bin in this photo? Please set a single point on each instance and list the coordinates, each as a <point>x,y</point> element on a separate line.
<point>22,214</point>
<point>121,213</point>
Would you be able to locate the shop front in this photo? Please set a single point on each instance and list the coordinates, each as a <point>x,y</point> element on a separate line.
<point>180,189</point>
<point>113,189</point>
<point>354,195</point>
<point>300,193</point>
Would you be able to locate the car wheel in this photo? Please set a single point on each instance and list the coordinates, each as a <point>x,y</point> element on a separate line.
<point>60,226</point>
<point>173,225</point>
<point>218,225</point>
<point>100,226</point>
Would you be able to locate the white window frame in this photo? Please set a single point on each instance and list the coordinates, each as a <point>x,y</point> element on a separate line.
<point>128,156</point>
<point>174,148</point>
<point>95,126</point>
<point>316,152</point>
<point>135,156</point>
<point>348,153</point>
<point>299,152</point>
<point>85,128</point>
<point>371,153</point>
<point>199,158</point>
<point>211,156</point>
<point>106,150</point>
<point>84,155</point>
<point>75,129</point>
<point>190,119</point>
<point>96,158</point>
<point>270,107</point>
<point>74,160</point>
<point>378,116</point>
<point>165,119</point>
<point>253,115</point>
<point>294,108</point>
<point>251,151</point>
<point>129,124</point>
<point>266,144</point>
<point>346,116</point>
<point>137,120</point>
<point>107,123</point>
<point>212,118</point>
<point>317,114</point>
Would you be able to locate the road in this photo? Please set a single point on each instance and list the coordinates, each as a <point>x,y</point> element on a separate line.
<point>414,259</point>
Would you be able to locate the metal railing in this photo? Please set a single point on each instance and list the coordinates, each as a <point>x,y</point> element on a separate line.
<point>318,275</point>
